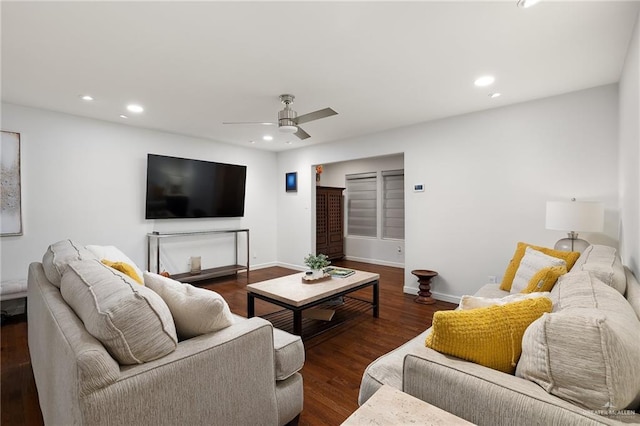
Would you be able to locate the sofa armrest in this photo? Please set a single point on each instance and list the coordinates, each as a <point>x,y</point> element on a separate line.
<point>66,360</point>
<point>226,377</point>
<point>485,396</point>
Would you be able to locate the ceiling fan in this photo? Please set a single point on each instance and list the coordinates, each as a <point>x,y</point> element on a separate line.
<point>288,119</point>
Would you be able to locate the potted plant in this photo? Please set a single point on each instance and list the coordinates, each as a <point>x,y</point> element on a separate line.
<point>317,263</point>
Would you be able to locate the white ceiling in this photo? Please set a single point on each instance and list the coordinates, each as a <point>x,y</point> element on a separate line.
<point>380,65</point>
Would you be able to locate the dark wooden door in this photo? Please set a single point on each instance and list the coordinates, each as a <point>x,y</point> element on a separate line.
<point>330,221</point>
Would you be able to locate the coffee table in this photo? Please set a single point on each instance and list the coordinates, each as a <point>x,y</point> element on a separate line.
<point>291,293</point>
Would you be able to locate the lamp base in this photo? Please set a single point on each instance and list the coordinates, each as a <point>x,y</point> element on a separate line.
<point>572,244</point>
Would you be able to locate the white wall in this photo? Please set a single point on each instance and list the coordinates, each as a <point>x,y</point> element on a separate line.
<point>85,179</point>
<point>630,155</point>
<point>381,251</point>
<point>488,176</point>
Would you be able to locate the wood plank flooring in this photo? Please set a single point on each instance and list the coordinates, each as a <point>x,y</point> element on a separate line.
<point>335,360</point>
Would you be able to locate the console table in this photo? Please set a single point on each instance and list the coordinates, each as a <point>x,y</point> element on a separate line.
<point>154,239</point>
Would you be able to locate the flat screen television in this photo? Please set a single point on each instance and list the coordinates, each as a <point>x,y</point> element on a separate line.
<point>184,188</point>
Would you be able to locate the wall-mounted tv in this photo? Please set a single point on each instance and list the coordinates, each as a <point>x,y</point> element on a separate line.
<point>184,188</point>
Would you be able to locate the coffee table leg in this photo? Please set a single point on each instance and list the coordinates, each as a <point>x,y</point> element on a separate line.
<point>251,311</point>
<point>376,300</point>
<point>297,322</point>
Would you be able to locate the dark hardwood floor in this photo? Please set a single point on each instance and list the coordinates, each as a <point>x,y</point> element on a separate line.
<point>335,360</point>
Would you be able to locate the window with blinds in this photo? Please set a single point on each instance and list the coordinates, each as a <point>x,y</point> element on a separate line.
<point>362,203</point>
<point>393,204</point>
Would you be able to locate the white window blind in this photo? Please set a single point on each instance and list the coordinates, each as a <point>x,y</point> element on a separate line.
<point>393,204</point>
<point>362,204</point>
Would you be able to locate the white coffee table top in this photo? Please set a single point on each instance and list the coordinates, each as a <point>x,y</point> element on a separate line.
<point>292,291</point>
<point>389,406</point>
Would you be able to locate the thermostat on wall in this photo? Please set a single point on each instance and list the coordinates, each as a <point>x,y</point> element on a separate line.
<point>418,187</point>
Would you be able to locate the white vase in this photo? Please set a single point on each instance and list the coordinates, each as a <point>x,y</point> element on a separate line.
<point>317,273</point>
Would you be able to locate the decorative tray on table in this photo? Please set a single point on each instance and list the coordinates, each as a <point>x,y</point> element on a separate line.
<point>309,280</point>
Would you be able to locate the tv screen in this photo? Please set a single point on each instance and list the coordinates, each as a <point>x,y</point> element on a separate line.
<point>184,188</point>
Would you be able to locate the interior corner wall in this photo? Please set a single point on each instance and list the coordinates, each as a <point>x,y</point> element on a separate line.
<point>630,155</point>
<point>487,177</point>
<point>85,179</point>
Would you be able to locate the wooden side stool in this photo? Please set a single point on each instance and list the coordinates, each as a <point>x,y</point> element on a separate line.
<point>424,278</point>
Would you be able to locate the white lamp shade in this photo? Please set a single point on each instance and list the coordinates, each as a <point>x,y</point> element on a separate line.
<point>578,216</point>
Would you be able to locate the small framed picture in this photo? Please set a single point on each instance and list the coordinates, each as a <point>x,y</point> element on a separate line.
<point>291,182</point>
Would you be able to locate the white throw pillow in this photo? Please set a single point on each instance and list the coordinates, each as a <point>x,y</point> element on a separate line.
<point>113,254</point>
<point>473,302</point>
<point>132,322</point>
<point>587,350</point>
<point>532,262</point>
<point>195,310</point>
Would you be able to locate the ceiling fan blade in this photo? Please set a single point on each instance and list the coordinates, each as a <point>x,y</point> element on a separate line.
<point>264,123</point>
<point>302,134</point>
<point>316,115</point>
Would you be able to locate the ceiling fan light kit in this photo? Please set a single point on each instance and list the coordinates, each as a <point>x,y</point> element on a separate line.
<point>525,4</point>
<point>288,129</point>
<point>288,120</point>
<point>287,117</point>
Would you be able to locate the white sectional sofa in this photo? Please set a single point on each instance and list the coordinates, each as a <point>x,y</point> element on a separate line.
<point>560,383</point>
<point>246,373</point>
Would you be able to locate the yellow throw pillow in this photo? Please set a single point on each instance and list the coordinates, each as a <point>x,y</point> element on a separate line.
<point>125,268</point>
<point>487,336</point>
<point>545,279</point>
<point>568,256</point>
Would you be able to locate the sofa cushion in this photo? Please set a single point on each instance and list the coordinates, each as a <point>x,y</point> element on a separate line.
<point>632,294</point>
<point>387,369</point>
<point>488,336</point>
<point>587,350</point>
<point>113,254</point>
<point>473,302</point>
<point>195,310</point>
<point>533,262</point>
<point>289,353</point>
<point>568,256</point>
<point>131,321</point>
<point>491,290</point>
<point>59,255</point>
<point>545,279</point>
<point>604,262</point>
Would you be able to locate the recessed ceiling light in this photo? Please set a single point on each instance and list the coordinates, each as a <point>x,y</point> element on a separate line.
<point>267,138</point>
<point>86,97</point>
<point>484,80</point>
<point>134,108</point>
<point>123,116</point>
<point>288,142</point>
<point>252,141</point>
<point>527,3</point>
<point>494,95</point>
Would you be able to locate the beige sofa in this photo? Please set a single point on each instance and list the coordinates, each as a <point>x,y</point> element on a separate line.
<point>244,374</point>
<point>489,397</point>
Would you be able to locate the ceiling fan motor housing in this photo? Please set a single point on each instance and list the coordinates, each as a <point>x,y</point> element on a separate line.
<point>287,120</point>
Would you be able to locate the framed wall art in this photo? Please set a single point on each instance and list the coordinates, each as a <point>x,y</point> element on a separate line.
<point>291,182</point>
<point>10,196</point>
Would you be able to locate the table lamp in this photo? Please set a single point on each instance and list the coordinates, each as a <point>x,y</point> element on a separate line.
<point>573,216</point>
